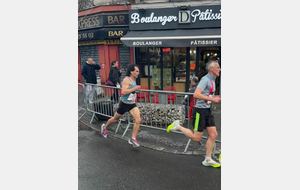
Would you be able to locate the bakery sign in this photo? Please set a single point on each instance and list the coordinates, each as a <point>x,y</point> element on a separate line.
<point>174,18</point>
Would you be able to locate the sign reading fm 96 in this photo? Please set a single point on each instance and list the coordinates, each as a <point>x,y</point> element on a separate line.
<point>85,36</point>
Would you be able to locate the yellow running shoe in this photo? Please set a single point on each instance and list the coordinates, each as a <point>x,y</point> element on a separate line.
<point>173,126</point>
<point>211,163</point>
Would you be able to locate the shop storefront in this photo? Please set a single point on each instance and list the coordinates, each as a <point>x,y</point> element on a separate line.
<point>174,44</point>
<point>99,38</point>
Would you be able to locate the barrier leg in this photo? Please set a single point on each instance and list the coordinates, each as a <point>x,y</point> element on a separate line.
<point>81,115</point>
<point>92,118</point>
<point>118,126</point>
<point>214,150</point>
<point>126,130</point>
<point>128,119</point>
<point>187,145</point>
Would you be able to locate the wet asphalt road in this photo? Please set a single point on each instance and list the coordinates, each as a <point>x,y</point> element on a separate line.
<point>112,164</point>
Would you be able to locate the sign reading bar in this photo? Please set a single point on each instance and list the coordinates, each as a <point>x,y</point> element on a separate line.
<point>99,42</point>
<point>175,18</point>
<point>103,20</point>
<point>116,20</point>
<point>102,33</point>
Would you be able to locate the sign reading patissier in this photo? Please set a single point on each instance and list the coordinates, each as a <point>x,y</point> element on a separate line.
<point>175,18</point>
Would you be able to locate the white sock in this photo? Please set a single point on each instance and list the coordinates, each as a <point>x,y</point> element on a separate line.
<point>207,158</point>
<point>177,126</point>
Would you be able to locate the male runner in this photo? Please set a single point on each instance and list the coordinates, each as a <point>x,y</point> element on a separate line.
<point>202,115</point>
<point>127,104</point>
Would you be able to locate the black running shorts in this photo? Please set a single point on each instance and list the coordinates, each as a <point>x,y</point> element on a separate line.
<point>125,107</point>
<point>202,118</point>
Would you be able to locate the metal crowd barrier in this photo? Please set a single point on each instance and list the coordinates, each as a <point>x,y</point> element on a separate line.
<point>158,108</point>
<point>81,99</point>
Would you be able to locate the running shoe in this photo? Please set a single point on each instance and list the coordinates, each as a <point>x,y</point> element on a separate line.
<point>103,131</point>
<point>174,126</point>
<point>133,142</point>
<point>211,162</point>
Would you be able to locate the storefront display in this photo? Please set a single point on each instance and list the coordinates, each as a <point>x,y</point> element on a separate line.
<point>172,44</point>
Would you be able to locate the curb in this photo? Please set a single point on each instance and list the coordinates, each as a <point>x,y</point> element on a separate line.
<point>150,146</point>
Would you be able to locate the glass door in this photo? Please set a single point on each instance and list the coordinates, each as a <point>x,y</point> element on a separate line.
<point>155,68</point>
<point>167,67</point>
<point>179,68</point>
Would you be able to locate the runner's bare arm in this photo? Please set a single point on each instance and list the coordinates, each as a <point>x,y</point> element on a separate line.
<point>198,95</point>
<point>126,85</point>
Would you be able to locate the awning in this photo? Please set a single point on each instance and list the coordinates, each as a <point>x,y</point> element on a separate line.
<point>173,38</point>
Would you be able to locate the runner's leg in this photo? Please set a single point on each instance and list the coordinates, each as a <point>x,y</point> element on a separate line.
<point>212,136</point>
<point>195,136</point>
<point>112,120</point>
<point>135,112</point>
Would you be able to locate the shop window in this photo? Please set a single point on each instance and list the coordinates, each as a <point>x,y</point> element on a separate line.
<point>167,72</point>
<point>192,62</point>
<point>149,57</point>
<point>142,61</point>
<point>179,63</point>
<point>155,69</point>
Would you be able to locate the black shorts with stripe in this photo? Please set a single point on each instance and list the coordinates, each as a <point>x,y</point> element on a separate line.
<point>202,118</point>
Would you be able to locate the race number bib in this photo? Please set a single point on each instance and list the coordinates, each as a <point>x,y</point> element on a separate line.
<point>209,102</point>
<point>132,97</point>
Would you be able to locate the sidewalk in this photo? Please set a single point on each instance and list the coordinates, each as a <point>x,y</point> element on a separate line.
<point>151,138</point>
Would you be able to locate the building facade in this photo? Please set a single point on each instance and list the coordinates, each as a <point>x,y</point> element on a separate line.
<point>99,31</point>
<point>173,44</point>
<point>170,40</point>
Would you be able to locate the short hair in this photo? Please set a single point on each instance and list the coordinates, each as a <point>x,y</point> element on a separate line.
<point>131,68</point>
<point>195,79</point>
<point>210,63</point>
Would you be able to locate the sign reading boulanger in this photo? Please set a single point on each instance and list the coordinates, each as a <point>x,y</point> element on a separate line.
<point>175,18</point>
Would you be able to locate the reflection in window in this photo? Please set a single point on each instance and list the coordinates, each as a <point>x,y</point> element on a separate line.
<point>154,60</point>
<point>142,62</point>
<point>179,60</point>
<point>193,61</point>
<point>149,56</point>
<point>167,67</point>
